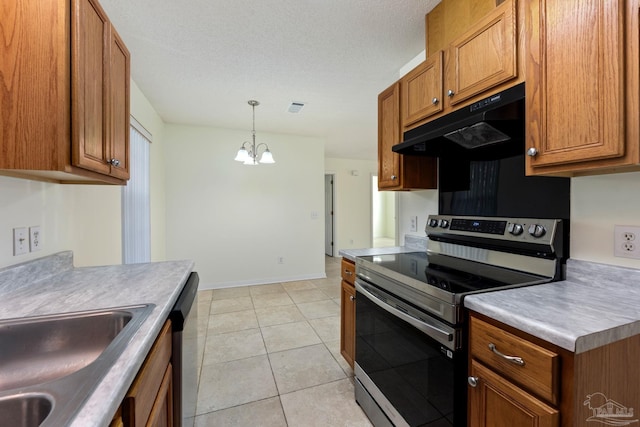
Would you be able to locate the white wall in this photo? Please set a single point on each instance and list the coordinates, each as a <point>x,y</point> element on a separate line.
<point>384,204</point>
<point>352,202</point>
<point>236,220</point>
<point>597,204</point>
<point>83,218</point>
<point>420,203</point>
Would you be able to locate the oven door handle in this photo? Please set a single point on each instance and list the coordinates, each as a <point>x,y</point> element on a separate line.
<point>421,324</point>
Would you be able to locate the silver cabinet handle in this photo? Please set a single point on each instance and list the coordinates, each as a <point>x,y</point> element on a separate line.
<point>352,298</point>
<point>532,152</point>
<point>114,162</point>
<point>434,101</point>
<point>473,381</point>
<point>393,177</point>
<point>450,93</point>
<point>347,272</point>
<point>513,359</point>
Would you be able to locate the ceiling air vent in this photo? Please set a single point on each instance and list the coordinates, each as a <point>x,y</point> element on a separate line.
<point>295,107</point>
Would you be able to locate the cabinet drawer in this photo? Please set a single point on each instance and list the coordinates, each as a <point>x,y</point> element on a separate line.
<point>539,373</point>
<point>348,271</point>
<point>137,404</point>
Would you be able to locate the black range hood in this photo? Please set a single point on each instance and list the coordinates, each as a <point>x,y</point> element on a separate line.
<point>485,128</point>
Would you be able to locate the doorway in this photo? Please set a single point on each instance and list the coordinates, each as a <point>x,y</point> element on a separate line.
<point>383,216</point>
<point>329,222</point>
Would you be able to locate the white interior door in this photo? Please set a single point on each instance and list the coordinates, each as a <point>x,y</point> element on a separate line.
<point>328,214</point>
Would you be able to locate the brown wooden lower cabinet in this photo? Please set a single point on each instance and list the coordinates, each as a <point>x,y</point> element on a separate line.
<point>496,402</point>
<point>553,387</point>
<point>348,322</point>
<point>117,419</point>
<point>162,411</point>
<point>348,311</point>
<point>149,400</point>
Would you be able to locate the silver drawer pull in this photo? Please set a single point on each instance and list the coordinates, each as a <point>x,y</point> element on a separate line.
<point>513,359</point>
<point>347,272</point>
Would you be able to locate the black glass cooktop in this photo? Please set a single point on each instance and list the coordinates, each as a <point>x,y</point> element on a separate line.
<point>455,275</point>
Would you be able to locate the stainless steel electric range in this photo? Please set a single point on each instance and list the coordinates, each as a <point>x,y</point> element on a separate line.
<point>411,332</point>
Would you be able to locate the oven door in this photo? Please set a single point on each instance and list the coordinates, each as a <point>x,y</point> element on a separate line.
<point>409,371</point>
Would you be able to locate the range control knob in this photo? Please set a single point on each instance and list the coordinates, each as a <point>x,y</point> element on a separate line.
<point>433,222</point>
<point>444,223</point>
<point>536,230</point>
<point>515,229</point>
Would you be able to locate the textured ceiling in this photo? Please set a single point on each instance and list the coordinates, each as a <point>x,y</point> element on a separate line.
<point>198,62</point>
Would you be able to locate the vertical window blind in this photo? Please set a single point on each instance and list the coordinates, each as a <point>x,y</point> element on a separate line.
<point>136,211</point>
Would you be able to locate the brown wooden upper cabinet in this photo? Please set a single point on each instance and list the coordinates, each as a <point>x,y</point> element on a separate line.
<point>397,172</point>
<point>582,89</point>
<point>422,91</point>
<point>65,94</point>
<point>482,58</point>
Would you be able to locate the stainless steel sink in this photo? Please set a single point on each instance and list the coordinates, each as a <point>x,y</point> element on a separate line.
<point>25,410</point>
<point>50,364</point>
<point>39,350</point>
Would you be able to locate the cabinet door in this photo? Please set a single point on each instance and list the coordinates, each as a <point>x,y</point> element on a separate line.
<point>495,402</point>
<point>422,91</point>
<point>35,92</point>
<point>574,91</point>
<point>119,107</point>
<point>388,136</point>
<point>148,398</point>
<point>90,86</point>
<point>162,412</point>
<point>396,172</point>
<point>348,322</point>
<point>484,56</point>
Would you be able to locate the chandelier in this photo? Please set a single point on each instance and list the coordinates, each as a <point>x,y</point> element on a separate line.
<point>248,153</point>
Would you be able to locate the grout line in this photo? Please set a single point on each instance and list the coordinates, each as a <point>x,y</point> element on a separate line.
<point>267,353</point>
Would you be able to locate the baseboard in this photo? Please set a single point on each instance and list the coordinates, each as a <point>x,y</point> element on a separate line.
<point>236,284</point>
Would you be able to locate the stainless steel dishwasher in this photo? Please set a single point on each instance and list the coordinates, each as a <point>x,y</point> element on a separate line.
<point>184,321</point>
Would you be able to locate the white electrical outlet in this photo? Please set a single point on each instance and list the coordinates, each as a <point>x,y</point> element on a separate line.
<point>626,241</point>
<point>20,241</point>
<point>413,226</point>
<point>35,238</point>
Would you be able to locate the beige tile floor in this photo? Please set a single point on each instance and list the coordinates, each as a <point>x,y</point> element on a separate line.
<point>272,356</point>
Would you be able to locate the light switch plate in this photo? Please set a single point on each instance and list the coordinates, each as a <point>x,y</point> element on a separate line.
<point>20,241</point>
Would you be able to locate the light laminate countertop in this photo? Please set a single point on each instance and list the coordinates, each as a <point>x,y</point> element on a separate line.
<point>52,285</point>
<point>411,244</point>
<point>596,305</point>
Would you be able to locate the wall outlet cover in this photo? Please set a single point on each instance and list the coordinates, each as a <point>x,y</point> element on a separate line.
<point>35,238</point>
<point>626,241</point>
<point>413,226</point>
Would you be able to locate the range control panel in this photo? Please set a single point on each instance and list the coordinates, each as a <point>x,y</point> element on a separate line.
<point>540,231</point>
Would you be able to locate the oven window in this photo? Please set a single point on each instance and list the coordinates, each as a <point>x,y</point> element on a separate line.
<point>411,369</point>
